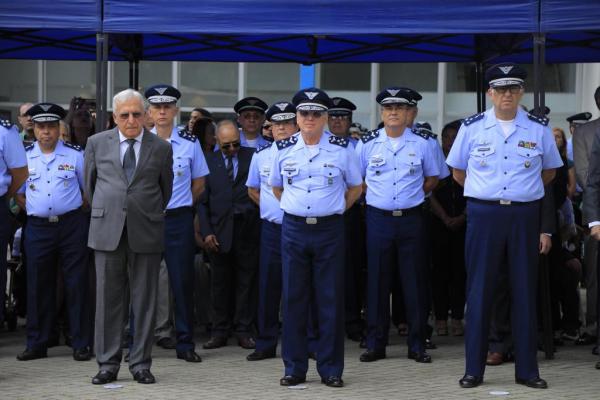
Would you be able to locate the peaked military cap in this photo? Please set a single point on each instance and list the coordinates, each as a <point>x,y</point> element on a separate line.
<point>46,112</point>
<point>580,118</point>
<point>341,106</point>
<point>281,111</point>
<point>505,74</point>
<point>312,99</point>
<point>250,103</point>
<point>398,95</point>
<point>162,94</point>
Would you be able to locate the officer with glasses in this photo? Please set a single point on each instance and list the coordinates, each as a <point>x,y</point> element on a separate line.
<point>503,157</point>
<point>316,177</point>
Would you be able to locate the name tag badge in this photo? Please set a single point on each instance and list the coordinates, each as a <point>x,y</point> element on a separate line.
<point>376,160</point>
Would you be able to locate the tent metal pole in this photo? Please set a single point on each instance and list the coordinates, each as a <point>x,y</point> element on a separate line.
<point>479,86</point>
<point>131,85</point>
<point>136,75</point>
<point>99,107</point>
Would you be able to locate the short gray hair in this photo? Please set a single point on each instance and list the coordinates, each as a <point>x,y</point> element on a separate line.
<point>126,95</point>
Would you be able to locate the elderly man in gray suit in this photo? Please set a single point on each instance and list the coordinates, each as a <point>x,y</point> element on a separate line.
<point>129,179</point>
<point>583,139</point>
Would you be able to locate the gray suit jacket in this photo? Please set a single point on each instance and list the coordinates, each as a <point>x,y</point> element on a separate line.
<point>592,189</point>
<point>140,204</point>
<point>583,139</point>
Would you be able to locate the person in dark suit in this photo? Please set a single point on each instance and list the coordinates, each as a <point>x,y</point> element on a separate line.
<point>592,203</point>
<point>128,182</point>
<point>229,223</point>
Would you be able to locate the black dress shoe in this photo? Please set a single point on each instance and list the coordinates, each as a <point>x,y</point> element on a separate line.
<point>247,343</point>
<point>535,383</point>
<point>372,355</point>
<point>144,376</point>
<point>429,345</point>
<point>30,354</point>
<point>291,380</point>
<point>215,342</point>
<point>104,377</point>
<point>258,355</point>
<point>333,381</point>
<point>189,356</point>
<point>82,354</point>
<point>470,381</point>
<point>419,357</point>
<point>166,343</point>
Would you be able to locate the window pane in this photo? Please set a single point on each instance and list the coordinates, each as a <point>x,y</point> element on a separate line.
<point>419,76</point>
<point>68,79</point>
<point>19,81</point>
<point>150,73</point>
<point>208,84</point>
<point>346,76</point>
<point>272,82</point>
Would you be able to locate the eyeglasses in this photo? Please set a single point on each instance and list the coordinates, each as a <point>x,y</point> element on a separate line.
<point>343,117</point>
<point>513,89</point>
<point>315,114</point>
<point>125,116</point>
<point>227,146</point>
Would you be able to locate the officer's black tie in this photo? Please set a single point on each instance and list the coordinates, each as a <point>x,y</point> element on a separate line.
<point>230,168</point>
<point>129,160</point>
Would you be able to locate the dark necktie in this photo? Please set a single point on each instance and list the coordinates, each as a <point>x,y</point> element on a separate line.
<point>230,168</point>
<point>129,160</point>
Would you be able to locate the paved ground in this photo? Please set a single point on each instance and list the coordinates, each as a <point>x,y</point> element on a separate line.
<point>225,374</point>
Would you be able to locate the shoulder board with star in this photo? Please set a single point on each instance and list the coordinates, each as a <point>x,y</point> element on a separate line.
<point>420,133</point>
<point>367,137</point>
<point>540,120</point>
<point>285,143</point>
<point>264,146</point>
<point>73,146</point>
<point>29,147</point>
<point>6,123</point>
<point>473,118</point>
<point>184,134</point>
<point>340,141</point>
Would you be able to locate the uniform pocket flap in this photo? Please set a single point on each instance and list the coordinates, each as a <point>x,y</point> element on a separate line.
<point>97,212</point>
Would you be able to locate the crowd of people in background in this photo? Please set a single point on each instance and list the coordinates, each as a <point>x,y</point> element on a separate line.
<point>293,223</point>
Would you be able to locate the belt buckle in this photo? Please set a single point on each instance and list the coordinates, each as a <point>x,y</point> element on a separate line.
<point>505,202</point>
<point>397,213</point>
<point>53,218</point>
<point>311,220</point>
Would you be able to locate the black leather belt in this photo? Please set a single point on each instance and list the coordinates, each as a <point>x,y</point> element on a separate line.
<point>397,213</point>
<point>179,210</point>
<point>313,220</point>
<point>501,202</point>
<point>53,218</point>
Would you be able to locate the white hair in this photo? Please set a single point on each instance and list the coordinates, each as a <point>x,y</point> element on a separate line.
<point>126,95</point>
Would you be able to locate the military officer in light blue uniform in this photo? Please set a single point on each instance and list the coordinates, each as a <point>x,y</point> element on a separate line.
<point>316,176</point>
<point>189,170</point>
<point>503,158</point>
<point>251,116</point>
<point>55,234</point>
<point>282,116</point>
<point>398,167</point>
<point>340,118</point>
<point>13,172</point>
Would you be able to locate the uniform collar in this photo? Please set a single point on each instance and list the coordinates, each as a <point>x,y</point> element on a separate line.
<point>323,142</point>
<point>60,149</point>
<point>383,137</point>
<point>521,119</point>
<point>174,134</point>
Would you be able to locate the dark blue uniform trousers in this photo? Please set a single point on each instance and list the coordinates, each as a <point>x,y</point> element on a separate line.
<point>4,235</point>
<point>313,260</point>
<point>496,233</point>
<point>395,244</point>
<point>179,257</point>
<point>269,286</point>
<point>48,245</point>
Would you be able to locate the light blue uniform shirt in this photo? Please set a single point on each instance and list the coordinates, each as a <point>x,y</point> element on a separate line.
<point>12,155</point>
<point>395,177</point>
<point>258,178</point>
<point>260,141</point>
<point>188,163</point>
<point>314,186</point>
<point>500,168</point>
<point>55,180</point>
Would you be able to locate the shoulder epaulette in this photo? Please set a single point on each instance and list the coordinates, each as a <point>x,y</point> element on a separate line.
<point>187,136</point>
<point>367,137</point>
<point>421,133</point>
<point>29,147</point>
<point>6,123</point>
<point>284,143</point>
<point>264,146</point>
<point>73,146</point>
<point>540,120</point>
<point>340,141</point>
<point>468,121</point>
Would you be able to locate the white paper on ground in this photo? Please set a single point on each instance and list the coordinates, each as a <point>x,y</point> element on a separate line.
<point>499,393</point>
<point>297,387</point>
<point>113,386</point>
